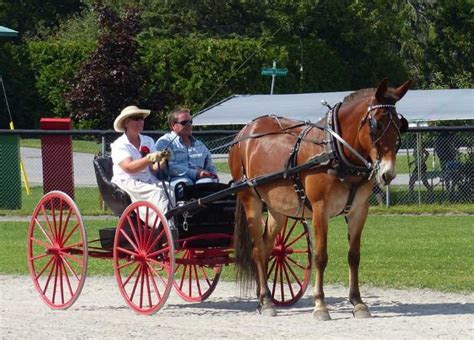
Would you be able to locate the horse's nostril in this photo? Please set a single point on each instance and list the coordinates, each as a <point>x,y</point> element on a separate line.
<point>385,178</point>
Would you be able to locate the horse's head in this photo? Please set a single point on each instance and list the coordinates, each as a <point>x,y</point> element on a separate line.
<point>381,127</point>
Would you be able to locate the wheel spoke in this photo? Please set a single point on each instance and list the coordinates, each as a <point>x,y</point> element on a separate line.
<point>155,286</point>
<point>122,231</point>
<point>139,227</point>
<point>66,223</point>
<point>137,280</point>
<point>289,282</point>
<point>288,233</point>
<point>68,281</point>
<point>38,224</point>
<point>41,243</point>
<point>290,259</point>
<point>275,276</point>
<point>51,259</point>
<point>295,240</point>
<point>45,214</point>
<point>53,217</point>
<point>70,233</point>
<point>66,263</point>
<point>151,233</point>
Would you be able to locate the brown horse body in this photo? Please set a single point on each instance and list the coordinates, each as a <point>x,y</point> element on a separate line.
<point>265,145</point>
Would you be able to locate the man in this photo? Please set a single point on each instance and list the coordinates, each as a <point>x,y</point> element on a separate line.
<point>191,160</point>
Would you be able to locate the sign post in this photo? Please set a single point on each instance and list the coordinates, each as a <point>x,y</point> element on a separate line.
<point>274,72</point>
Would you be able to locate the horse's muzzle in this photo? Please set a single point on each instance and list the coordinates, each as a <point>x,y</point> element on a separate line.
<point>387,178</point>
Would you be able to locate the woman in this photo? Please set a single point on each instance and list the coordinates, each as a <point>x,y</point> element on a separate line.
<point>135,159</point>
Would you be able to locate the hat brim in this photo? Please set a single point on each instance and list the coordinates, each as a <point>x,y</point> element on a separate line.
<point>120,120</point>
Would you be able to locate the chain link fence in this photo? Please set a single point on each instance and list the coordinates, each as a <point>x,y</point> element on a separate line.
<point>434,165</point>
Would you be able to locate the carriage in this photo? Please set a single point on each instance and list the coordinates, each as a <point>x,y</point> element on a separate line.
<point>294,170</point>
<point>150,257</point>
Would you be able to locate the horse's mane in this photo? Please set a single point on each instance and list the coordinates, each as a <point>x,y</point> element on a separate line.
<point>368,92</point>
<point>358,94</point>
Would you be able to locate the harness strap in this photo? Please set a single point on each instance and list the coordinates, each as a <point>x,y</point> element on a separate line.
<point>297,184</point>
<point>350,199</point>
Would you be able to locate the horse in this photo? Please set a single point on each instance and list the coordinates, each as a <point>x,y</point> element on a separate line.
<point>361,136</point>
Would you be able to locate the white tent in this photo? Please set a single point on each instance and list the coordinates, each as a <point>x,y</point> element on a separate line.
<point>416,106</point>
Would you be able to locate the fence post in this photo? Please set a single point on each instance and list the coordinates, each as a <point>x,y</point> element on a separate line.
<point>418,165</point>
<point>103,148</point>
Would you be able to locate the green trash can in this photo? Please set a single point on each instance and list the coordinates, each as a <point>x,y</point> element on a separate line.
<point>10,176</point>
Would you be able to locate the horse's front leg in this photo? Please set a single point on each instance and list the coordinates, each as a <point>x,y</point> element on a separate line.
<point>356,221</point>
<point>320,225</point>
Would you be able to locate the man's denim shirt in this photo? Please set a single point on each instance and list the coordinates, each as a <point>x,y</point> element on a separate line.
<point>185,161</point>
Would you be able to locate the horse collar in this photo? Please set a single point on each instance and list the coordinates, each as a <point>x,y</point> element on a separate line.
<point>345,167</point>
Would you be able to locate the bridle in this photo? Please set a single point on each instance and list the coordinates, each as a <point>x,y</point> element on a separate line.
<point>390,110</point>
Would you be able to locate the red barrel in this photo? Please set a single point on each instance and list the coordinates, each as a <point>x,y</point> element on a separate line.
<point>56,152</point>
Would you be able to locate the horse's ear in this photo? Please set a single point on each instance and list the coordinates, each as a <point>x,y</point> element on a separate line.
<point>381,89</point>
<point>400,91</point>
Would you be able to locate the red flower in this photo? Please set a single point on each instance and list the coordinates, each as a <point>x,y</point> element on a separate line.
<point>144,150</point>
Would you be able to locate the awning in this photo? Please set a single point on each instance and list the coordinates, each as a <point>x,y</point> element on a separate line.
<point>7,32</point>
<point>416,106</point>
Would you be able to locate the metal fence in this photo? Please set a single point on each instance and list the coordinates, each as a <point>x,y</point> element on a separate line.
<point>434,164</point>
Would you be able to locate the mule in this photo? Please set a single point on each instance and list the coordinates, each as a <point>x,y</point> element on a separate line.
<point>362,137</point>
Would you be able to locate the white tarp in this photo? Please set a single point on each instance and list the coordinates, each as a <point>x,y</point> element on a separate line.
<point>416,106</point>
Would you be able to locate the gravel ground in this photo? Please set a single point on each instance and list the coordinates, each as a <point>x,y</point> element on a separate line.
<point>101,313</point>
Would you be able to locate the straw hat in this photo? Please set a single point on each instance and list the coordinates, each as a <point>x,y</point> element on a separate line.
<point>129,111</point>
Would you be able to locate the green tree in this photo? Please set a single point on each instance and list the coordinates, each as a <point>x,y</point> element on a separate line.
<point>32,18</point>
<point>111,78</point>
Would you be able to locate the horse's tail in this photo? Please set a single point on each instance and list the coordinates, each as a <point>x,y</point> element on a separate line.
<point>246,270</point>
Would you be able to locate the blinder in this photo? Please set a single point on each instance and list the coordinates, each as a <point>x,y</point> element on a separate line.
<point>374,127</point>
<point>403,123</point>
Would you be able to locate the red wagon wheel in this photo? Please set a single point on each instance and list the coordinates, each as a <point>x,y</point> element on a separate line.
<point>144,257</point>
<point>57,250</point>
<point>289,268</point>
<point>194,279</point>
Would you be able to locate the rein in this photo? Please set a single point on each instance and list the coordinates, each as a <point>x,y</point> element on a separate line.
<point>263,134</point>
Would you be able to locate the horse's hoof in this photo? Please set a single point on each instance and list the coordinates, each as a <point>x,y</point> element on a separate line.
<point>361,311</point>
<point>321,315</point>
<point>267,310</point>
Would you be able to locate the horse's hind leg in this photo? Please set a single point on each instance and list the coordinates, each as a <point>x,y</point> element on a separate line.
<point>253,210</point>
<point>356,221</point>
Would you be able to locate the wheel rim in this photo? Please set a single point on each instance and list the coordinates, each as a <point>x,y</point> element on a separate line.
<point>144,257</point>
<point>194,280</point>
<point>289,267</point>
<point>57,250</point>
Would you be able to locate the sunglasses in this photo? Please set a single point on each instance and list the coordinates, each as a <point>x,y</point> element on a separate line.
<point>185,122</point>
<point>136,118</point>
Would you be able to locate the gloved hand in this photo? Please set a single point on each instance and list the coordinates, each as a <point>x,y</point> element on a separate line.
<point>158,156</point>
<point>166,154</point>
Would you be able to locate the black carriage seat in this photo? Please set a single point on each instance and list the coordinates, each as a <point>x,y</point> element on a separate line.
<point>216,217</point>
<point>114,197</point>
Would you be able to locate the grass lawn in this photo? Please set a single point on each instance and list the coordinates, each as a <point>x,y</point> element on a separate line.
<point>432,252</point>
<point>88,201</point>
<point>77,145</point>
